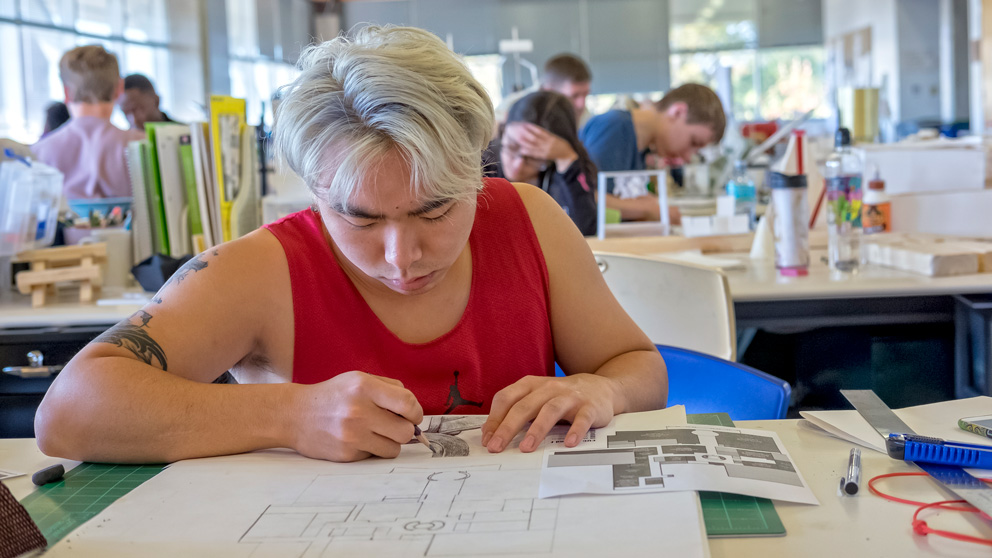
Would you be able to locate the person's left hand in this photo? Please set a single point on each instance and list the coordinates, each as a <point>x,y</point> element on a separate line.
<point>536,142</point>
<point>585,400</point>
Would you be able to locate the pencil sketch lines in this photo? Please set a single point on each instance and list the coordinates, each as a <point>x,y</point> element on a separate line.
<point>466,511</point>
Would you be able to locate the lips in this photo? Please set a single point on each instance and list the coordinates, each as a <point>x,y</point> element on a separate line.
<point>411,284</point>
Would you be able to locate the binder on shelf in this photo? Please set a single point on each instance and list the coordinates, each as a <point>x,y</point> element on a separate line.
<point>141,225</point>
<point>153,193</point>
<point>166,137</point>
<point>227,119</point>
<point>205,190</point>
<point>245,210</point>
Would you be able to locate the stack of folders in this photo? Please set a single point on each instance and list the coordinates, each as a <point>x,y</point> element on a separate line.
<point>196,185</point>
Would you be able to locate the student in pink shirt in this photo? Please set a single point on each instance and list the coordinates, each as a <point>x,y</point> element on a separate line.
<point>88,149</point>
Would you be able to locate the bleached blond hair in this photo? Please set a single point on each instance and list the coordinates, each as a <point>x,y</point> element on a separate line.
<point>385,88</point>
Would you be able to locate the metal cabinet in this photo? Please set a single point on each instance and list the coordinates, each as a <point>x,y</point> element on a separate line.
<point>20,397</point>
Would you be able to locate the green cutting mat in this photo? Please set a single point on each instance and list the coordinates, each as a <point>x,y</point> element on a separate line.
<point>731,515</point>
<point>59,507</point>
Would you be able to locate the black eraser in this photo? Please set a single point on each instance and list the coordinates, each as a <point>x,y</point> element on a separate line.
<point>48,474</point>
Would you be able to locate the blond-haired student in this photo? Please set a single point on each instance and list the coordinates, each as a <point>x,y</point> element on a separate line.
<point>88,149</point>
<point>412,286</point>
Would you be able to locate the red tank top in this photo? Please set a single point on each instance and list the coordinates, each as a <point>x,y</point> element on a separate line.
<point>503,335</point>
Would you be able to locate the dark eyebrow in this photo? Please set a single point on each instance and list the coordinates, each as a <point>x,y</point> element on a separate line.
<point>431,206</point>
<point>359,213</point>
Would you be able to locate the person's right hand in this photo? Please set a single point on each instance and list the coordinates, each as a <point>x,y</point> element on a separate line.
<point>355,415</point>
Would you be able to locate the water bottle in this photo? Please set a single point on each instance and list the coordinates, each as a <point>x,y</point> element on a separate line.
<point>842,174</point>
<point>742,189</point>
<point>791,207</point>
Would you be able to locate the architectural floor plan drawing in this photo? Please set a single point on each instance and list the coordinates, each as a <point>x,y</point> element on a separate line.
<point>469,511</point>
<point>720,459</point>
<point>278,504</point>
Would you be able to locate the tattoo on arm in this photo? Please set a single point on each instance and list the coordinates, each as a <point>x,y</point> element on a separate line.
<point>134,337</point>
<point>196,263</point>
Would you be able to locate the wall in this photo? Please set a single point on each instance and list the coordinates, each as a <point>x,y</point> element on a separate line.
<point>846,16</point>
<point>625,42</point>
<point>918,26</point>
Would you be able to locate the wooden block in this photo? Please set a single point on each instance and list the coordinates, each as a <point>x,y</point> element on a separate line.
<point>97,250</point>
<point>37,296</point>
<point>934,259</point>
<point>27,279</point>
<point>86,291</point>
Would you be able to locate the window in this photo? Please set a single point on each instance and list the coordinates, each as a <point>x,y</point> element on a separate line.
<point>152,37</point>
<point>714,36</point>
<point>260,65</point>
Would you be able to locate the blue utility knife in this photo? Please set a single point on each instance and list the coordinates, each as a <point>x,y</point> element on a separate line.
<point>924,449</point>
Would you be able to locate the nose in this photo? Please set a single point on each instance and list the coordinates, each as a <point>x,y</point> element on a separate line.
<point>402,247</point>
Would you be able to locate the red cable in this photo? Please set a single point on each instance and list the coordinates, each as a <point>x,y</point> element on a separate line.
<point>920,527</point>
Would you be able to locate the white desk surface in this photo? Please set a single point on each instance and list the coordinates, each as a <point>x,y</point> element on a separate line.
<point>64,310</point>
<point>760,281</point>
<point>849,526</point>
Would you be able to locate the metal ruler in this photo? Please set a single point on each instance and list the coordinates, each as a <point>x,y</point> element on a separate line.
<point>955,479</point>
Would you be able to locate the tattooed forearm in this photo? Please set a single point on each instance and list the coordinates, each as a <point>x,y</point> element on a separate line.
<point>133,337</point>
<point>196,263</point>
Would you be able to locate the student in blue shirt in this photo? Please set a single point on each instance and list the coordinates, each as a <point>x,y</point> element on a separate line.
<point>687,119</point>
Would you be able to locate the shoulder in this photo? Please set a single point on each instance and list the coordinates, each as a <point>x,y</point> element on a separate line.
<point>552,225</point>
<point>610,122</point>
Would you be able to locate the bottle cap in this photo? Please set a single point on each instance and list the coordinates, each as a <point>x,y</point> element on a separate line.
<point>842,137</point>
<point>778,180</point>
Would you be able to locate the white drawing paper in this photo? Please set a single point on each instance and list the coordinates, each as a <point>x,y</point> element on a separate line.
<point>278,504</point>
<point>676,458</point>
<point>939,420</point>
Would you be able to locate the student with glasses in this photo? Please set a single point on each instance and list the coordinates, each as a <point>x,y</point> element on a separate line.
<point>540,146</point>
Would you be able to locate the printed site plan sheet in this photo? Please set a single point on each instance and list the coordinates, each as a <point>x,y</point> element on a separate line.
<point>457,501</point>
<point>624,460</point>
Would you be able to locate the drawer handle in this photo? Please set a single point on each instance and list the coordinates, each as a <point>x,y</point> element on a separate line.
<point>36,368</point>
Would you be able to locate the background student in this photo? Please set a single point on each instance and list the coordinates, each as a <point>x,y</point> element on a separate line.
<point>88,149</point>
<point>565,74</point>
<point>140,102</point>
<point>684,121</point>
<point>540,146</point>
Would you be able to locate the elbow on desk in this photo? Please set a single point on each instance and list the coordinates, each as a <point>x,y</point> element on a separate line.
<point>53,430</point>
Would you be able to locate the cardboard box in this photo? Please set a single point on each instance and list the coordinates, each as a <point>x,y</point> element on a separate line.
<point>940,165</point>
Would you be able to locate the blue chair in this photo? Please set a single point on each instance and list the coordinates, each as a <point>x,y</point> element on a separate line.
<point>707,384</point>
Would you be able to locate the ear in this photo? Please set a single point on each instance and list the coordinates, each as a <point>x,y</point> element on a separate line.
<point>677,111</point>
<point>65,89</point>
<point>119,89</point>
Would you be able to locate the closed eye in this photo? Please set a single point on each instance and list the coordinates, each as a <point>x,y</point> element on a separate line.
<point>436,218</point>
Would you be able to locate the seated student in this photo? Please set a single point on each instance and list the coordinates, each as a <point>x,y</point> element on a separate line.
<point>139,102</point>
<point>540,146</point>
<point>564,73</point>
<point>687,119</point>
<point>88,149</point>
<point>412,286</point>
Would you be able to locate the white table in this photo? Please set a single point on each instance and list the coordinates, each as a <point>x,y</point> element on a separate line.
<point>848,526</point>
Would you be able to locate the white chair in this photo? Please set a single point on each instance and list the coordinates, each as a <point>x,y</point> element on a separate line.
<point>678,304</point>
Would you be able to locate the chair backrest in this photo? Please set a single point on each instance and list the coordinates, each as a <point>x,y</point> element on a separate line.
<point>675,303</point>
<point>706,384</point>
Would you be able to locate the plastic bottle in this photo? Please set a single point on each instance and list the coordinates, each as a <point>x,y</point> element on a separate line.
<point>876,215</point>
<point>842,174</point>
<point>742,189</point>
<point>791,209</point>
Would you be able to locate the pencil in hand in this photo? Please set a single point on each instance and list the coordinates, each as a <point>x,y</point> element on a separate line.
<point>419,435</point>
